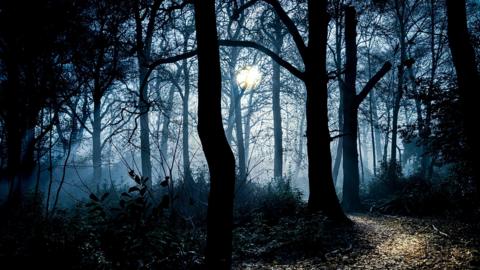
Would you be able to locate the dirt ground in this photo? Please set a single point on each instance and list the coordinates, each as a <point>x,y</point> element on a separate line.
<point>393,242</point>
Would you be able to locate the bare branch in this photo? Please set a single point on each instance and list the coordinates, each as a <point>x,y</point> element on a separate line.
<point>292,29</point>
<point>373,81</point>
<point>251,44</point>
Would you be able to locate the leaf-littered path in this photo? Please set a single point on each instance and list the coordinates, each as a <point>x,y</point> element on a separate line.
<point>394,242</point>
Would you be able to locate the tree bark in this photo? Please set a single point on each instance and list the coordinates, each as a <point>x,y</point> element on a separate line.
<point>187,174</point>
<point>351,103</point>
<point>144,128</point>
<point>165,133</point>
<point>463,57</point>
<point>351,199</point>
<point>144,45</point>
<point>400,10</point>
<point>276,110</point>
<point>219,156</point>
<point>322,191</point>
<point>96,140</point>
<point>242,164</point>
<point>338,66</point>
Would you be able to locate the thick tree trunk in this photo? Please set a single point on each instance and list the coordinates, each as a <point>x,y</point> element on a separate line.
<point>351,199</point>
<point>463,57</point>
<point>219,156</point>
<point>351,102</point>
<point>322,191</point>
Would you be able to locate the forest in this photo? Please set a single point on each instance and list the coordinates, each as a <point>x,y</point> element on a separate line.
<point>239,134</point>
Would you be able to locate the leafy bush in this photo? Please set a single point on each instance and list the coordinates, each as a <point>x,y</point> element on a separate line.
<point>271,202</point>
<point>131,230</point>
<point>137,234</point>
<point>414,195</point>
<point>387,181</point>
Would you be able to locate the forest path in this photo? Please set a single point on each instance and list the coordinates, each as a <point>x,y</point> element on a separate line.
<point>393,242</point>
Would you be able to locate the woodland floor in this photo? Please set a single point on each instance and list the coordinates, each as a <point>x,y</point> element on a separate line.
<point>381,242</point>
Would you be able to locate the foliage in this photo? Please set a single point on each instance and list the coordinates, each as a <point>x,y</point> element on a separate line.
<point>387,180</point>
<point>133,232</point>
<point>272,201</point>
<point>414,195</point>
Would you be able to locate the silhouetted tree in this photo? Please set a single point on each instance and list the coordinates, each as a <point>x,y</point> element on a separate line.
<point>463,57</point>
<point>351,103</point>
<point>220,159</point>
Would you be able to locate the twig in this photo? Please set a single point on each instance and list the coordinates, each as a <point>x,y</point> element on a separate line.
<point>440,232</point>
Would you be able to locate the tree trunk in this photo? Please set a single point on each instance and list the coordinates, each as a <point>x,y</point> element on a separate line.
<point>166,131</point>
<point>219,156</point>
<point>322,191</point>
<point>187,174</point>
<point>360,145</point>
<point>341,86</point>
<point>351,199</point>
<point>351,102</point>
<point>374,128</point>
<point>463,57</point>
<point>144,124</point>
<point>385,145</point>
<point>373,137</point>
<point>96,144</point>
<point>301,135</point>
<point>144,45</point>
<point>247,128</point>
<point>276,109</point>
<point>242,164</point>
<point>400,9</point>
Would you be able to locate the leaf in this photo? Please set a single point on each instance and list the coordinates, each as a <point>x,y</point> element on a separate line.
<point>93,197</point>
<point>132,189</point>
<point>122,203</point>
<point>104,196</point>
<point>137,179</point>
<point>145,179</point>
<point>143,190</point>
<point>164,183</point>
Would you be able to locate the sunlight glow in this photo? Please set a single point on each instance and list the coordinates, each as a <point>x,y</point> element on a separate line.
<point>248,77</point>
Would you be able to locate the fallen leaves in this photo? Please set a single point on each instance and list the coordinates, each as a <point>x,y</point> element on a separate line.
<point>385,242</point>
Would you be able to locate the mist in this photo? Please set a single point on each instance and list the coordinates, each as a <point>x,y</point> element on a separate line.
<point>201,131</point>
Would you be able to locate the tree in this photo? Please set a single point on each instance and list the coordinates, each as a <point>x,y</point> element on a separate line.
<point>98,62</point>
<point>220,159</point>
<point>32,69</point>
<point>463,57</point>
<point>277,41</point>
<point>143,48</point>
<point>351,103</point>
<point>322,196</point>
